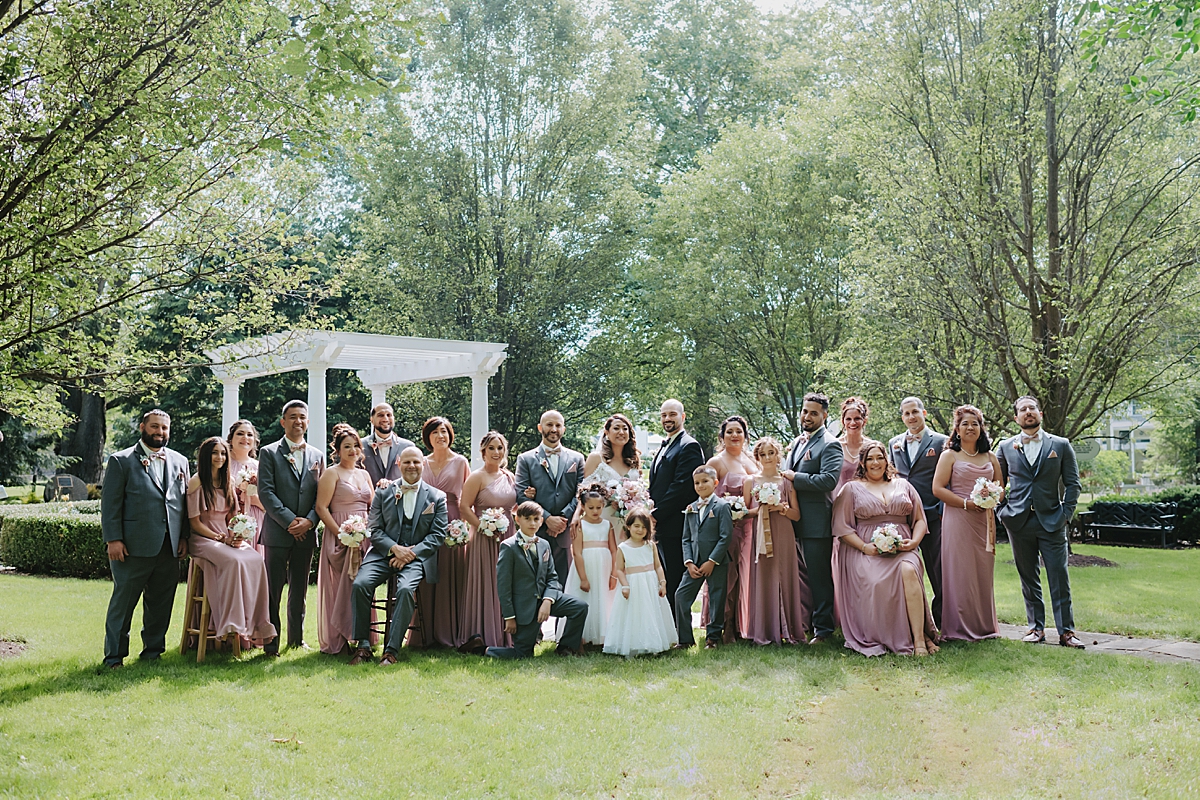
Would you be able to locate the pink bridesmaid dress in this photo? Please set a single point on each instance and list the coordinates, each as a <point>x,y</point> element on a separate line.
<point>234,577</point>
<point>335,623</point>
<point>254,511</point>
<point>738,606</point>
<point>441,603</point>
<point>481,600</point>
<point>869,590</point>
<point>968,602</point>
<point>781,601</point>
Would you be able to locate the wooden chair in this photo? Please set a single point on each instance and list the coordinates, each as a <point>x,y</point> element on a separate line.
<point>197,593</point>
<point>383,614</point>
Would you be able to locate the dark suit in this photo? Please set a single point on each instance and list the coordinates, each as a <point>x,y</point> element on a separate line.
<point>672,489</point>
<point>920,474</point>
<point>373,461</point>
<point>704,540</point>
<point>1035,512</point>
<point>286,493</point>
<point>148,514</point>
<point>423,532</point>
<point>556,495</point>
<point>817,464</point>
<point>523,581</point>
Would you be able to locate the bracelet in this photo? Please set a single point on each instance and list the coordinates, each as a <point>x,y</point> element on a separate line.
<point>964,504</point>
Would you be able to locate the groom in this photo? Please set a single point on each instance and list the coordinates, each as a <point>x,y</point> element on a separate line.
<point>1043,486</point>
<point>672,490</point>
<point>549,475</point>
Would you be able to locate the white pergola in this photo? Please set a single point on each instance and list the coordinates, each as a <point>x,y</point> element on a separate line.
<point>380,361</point>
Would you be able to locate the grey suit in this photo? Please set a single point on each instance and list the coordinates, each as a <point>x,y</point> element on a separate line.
<point>423,533</point>
<point>149,515</point>
<point>1035,512</point>
<point>920,474</point>
<point>523,581</point>
<point>286,493</point>
<point>817,464</point>
<point>373,462</point>
<point>704,540</point>
<point>556,495</point>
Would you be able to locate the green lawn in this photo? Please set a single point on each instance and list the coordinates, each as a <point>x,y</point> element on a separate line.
<point>998,719</point>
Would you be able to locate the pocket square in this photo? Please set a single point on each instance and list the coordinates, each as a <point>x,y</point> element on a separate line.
<point>1052,454</point>
<point>428,510</point>
<point>930,452</point>
<point>546,556</point>
<point>808,456</point>
<point>571,468</point>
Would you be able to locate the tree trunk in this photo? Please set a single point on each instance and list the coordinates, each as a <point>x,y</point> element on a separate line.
<point>84,441</point>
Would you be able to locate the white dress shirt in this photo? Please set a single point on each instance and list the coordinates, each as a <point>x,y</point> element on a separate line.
<point>409,498</point>
<point>158,465</point>
<point>1033,449</point>
<point>914,448</point>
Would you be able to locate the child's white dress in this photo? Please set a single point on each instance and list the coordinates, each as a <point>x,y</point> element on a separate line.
<point>643,623</point>
<point>597,562</point>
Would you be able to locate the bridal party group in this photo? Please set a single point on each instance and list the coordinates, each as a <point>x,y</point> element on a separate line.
<point>783,543</point>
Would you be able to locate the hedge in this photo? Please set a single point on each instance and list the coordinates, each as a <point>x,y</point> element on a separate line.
<point>65,545</point>
<point>1187,522</point>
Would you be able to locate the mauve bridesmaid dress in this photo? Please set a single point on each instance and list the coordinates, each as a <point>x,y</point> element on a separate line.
<point>335,623</point>
<point>481,600</point>
<point>968,570</point>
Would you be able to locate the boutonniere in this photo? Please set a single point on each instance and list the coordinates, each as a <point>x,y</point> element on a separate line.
<point>145,462</point>
<point>690,510</point>
<point>545,464</point>
<point>1017,445</point>
<point>897,447</point>
<point>291,458</point>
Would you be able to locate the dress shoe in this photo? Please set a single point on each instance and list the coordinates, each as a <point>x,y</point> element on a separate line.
<point>388,659</point>
<point>1034,636</point>
<point>712,644</point>
<point>1069,639</point>
<point>678,646</point>
<point>362,655</point>
<point>473,646</point>
<point>817,640</point>
<point>299,646</point>
<point>562,650</point>
<point>114,665</point>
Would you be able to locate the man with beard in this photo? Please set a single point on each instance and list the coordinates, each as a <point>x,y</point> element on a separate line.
<point>382,449</point>
<point>143,513</point>
<point>549,475</point>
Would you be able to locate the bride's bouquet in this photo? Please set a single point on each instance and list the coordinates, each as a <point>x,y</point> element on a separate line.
<point>247,480</point>
<point>631,493</point>
<point>886,539</point>
<point>458,533</point>
<point>768,494</point>
<point>986,494</point>
<point>242,528</point>
<point>737,507</point>
<point>493,523</point>
<point>352,532</point>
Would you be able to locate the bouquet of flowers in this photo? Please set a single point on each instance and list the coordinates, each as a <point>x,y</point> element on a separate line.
<point>242,528</point>
<point>986,493</point>
<point>458,533</point>
<point>352,532</point>
<point>493,523</point>
<point>768,494</point>
<point>886,539</point>
<point>629,494</point>
<point>247,477</point>
<point>737,506</point>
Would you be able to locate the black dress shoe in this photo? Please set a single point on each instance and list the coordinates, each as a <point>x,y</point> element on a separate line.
<point>473,646</point>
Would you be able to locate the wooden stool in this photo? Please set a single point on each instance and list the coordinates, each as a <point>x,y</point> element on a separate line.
<point>387,605</point>
<point>197,592</point>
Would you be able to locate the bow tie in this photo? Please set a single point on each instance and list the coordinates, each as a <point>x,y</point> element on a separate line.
<point>527,542</point>
<point>1037,437</point>
<point>405,488</point>
<point>297,447</point>
<point>804,437</point>
<point>157,456</point>
<point>915,437</point>
<point>703,501</point>
<point>553,452</point>
<point>386,442</point>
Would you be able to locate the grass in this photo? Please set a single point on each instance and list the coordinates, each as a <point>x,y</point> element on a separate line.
<point>1154,593</point>
<point>997,719</point>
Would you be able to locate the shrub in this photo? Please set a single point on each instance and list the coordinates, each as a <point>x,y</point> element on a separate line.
<point>65,545</point>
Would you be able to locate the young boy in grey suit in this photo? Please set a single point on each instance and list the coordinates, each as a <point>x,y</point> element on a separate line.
<point>530,592</point>
<point>707,532</point>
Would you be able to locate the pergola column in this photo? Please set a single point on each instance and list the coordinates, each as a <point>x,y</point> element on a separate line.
<point>378,395</point>
<point>317,435</point>
<point>230,407</point>
<point>479,415</point>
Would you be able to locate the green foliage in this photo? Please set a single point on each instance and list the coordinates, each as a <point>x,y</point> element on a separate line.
<point>1187,497</point>
<point>1107,471</point>
<point>66,545</point>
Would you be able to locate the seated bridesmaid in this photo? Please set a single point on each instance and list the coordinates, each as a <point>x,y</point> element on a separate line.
<point>880,598</point>
<point>968,535</point>
<point>235,575</point>
<point>345,490</point>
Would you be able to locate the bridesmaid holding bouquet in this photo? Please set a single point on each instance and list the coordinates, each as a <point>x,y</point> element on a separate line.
<point>448,471</point>
<point>243,467</point>
<point>734,467</point>
<point>491,486</point>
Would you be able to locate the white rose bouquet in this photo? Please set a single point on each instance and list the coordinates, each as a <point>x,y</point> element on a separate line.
<point>986,494</point>
<point>458,533</point>
<point>768,494</point>
<point>352,532</point>
<point>242,528</point>
<point>493,523</point>
<point>737,507</point>
<point>886,539</point>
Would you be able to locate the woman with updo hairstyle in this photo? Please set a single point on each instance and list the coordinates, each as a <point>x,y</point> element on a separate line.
<point>734,467</point>
<point>243,451</point>
<point>879,594</point>
<point>446,470</point>
<point>344,491</point>
<point>854,425</point>
<point>490,486</point>
<point>968,535</point>
<point>616,458</point>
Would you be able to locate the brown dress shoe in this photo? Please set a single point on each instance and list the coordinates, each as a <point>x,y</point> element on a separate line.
<point>1034,636</point>
<point>817,640</point>
<point>712,644</point>
<point>362,655</point>
<point>474,646</point>
<point>387,660</point>
<point>1069,639</point>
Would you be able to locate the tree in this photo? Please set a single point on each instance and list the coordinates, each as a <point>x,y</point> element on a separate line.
<point>1028,230</point>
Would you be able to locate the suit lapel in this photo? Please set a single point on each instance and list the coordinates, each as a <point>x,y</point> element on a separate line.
<point>904,452</point>
<point>926,439</point>
<point>1042,454</point>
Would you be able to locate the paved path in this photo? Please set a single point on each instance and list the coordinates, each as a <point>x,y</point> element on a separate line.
<point>1166,650</point>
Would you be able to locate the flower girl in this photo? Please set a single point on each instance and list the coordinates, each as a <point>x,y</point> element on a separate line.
<point>593,548</point>
<point>641,621</point>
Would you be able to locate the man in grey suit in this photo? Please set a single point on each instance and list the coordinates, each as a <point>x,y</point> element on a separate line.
<point>530,592</point>
<point>382,449</point>
<point>813,463</point>
<point>143,518</point>
<point>549,475</point>
<point>407,524</point>
<point>288,473</point>
<point>915,454</point>
<point>1043,487</point>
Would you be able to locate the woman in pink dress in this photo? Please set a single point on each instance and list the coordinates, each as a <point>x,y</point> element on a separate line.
<point>491,486</point>
<point>968,566</point>
<point>854,425</point>
<point>344,491</point>
<point>880,598</point>
<point>441,603</point>
<point>243,448</point>
<point>235,576</point>
<point>781,610</point>
<point>734,465</point>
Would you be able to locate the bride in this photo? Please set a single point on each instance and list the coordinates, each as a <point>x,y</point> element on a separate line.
<point>616,458</point>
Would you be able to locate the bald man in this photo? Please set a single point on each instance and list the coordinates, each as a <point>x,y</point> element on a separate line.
<point>549,475</point>
<point>672,489</point>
